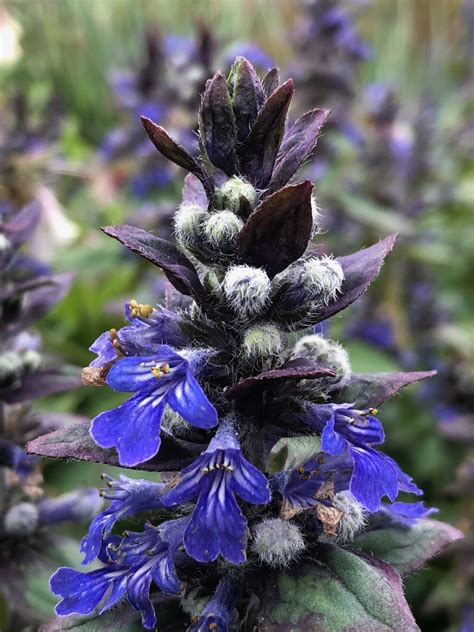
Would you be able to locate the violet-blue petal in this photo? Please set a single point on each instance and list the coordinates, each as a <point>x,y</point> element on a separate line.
<point>133,428</point>
<point>188,399</point>
<point>374,476</point>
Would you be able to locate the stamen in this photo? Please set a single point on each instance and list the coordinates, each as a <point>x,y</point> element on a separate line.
<point>373,411</point>
<point>140,309</point>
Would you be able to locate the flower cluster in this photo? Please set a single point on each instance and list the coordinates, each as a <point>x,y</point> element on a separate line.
<point>267,441</point>
<point>27,293</point>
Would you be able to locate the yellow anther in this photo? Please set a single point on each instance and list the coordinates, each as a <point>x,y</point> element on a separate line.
<point>229,469</point>
<point>113,334</point>
<point>133,303</point>
<point>301,469</point>
<point>194,618</point>
<point>373,411</point>
<point>212,626</point>
<point>115,343</point>
<point>156,370</point>
<point>165,367</point>
<point>145,310</point>
<point>320,460</point>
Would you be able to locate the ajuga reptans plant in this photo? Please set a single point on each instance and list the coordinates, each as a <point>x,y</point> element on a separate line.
<point>276,503</point>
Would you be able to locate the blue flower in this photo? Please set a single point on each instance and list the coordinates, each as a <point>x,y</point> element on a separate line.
<point>134,562</point>
<point>217,613</point>
<point>316,480</point>
<point>80,504</point>
<point>374,473</point>
<point>407,514</point>
<point>149,329</point>
<point>128,497</point>
<point>164,378</point>
<point>217,525</point>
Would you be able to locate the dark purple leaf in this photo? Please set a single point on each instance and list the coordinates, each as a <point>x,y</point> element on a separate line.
<point>193,191</point>
<point>23,224</point>
<point>177,267</point>
<point>74,442</point>
<point>278,230</point>
<point>360,269</point>
<point>271,81</point>
<point>259,151</point>
<point>176,153</point>
<point>298,369</point>
<point>247,96</point>
<point>372,389</point>
<point>408,548</point>
<point>41,384</point>
<point>338,591</point>
<point>217,125</point>
<point>298,145</point>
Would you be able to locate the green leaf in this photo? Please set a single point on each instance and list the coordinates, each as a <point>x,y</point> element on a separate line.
<point>336,592</point>
<point>290,452</point>
<point>408,548</point>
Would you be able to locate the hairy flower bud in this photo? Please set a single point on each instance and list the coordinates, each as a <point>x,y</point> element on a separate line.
<point>11,369</point>
<point>327,353</point>
<point>247,290</point>
<point>277,542</point>
<point>21,520</point>
<point>310,285</point>
<point>262,344</point>
<point>353,519</point>
<point>188,222</point>
<point>31,360</point>
<point>221,231</point>
<point>230,194</point>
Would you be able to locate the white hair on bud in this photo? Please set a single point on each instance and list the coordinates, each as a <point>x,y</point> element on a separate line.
<point>328,353</point>
<point>321,279</point>
<point>21,520</point>
<point>235,188</point>
<point>247,290</point>
<point>221,230</point>
<point>262,342</point>
<point>173,424</point>
<point>188,221</point>
<point>354,516</point>
<point>277,542</point>
<point>31,360</point>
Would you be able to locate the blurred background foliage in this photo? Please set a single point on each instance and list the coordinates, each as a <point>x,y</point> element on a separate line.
<point>423,51</point>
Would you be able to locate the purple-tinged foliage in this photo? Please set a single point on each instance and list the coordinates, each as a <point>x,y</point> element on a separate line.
<point>251,411</point>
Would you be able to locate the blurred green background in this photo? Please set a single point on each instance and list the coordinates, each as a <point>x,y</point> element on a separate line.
<point>67,49</point>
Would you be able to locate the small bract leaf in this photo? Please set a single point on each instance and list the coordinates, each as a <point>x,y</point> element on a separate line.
<point>75,442</point>
<point>300,142</point>
<point>259,151</point>
<point>172,150</point>
<point>278,230</point>
<point>271,81</point>
<point>408,548</point>
<point>360,269</point>
<point>339,591</point>
<point>372,389</point>
<point>177,267</point>
<point>217,125</point>
<point>247,96</point>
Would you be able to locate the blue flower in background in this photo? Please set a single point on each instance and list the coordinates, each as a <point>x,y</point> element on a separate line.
<point>129,497</point>
<point>134,562</point>
<point>375,474</point>
<point>164,378</point>
<point>217,525</point>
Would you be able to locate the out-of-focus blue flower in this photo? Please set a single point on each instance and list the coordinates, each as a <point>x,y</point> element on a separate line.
<point>80,504</point>
<point>15,458</point>
<point>134,562</point>
<point>375,474</point>
<point>164,378</point>
<point>129,497</point>
<point>217,525</point>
